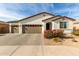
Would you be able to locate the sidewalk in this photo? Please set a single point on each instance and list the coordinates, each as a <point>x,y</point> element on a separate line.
<point>39,51</point>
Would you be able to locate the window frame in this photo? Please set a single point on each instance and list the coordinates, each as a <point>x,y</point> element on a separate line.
<point>63,25</point>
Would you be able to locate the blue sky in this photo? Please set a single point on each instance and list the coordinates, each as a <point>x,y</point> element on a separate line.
<point>16,11</point>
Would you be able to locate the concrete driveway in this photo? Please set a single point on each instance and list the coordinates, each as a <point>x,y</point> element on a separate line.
<point>20,39</point>
<point>32,45</point>
<point>27,43</point>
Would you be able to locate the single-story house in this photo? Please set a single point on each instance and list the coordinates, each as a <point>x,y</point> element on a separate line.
<point>40,22</point>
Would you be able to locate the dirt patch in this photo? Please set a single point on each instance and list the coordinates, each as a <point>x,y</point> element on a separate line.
<point>52,41</point>
<point>65,41</point>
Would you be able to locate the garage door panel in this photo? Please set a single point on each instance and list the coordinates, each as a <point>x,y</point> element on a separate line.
<point>15,29</point>
<point>32,29</point>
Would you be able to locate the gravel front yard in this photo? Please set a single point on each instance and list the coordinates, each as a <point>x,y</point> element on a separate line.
<point>65,42</point>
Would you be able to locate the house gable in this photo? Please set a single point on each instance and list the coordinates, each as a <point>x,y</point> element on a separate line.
<point>64,18</point>
<point>36,19</point>
<point>51,18</point>
<point>58,17</point>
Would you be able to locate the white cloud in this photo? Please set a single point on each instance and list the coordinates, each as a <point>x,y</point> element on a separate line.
<point>11,11</point>
<point>8,15</point>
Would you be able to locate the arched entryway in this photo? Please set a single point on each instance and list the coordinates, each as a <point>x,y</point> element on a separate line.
<point>48,26</point>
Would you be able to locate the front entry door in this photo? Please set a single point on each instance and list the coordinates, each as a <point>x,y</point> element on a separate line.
<point>48,26</point>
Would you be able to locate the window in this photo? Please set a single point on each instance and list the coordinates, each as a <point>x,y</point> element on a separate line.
<point>63,24</point>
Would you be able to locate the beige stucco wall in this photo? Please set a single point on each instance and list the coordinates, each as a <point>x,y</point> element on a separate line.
<point>69,23</point>
<point>69,28</point>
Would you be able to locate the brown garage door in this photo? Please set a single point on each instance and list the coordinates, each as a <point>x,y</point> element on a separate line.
<point>32,28</point>
<point>4,28</point>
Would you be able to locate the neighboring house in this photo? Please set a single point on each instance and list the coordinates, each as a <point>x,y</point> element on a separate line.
<point>40,22</point>
<point>76,24</point>
<point>4,27</point>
